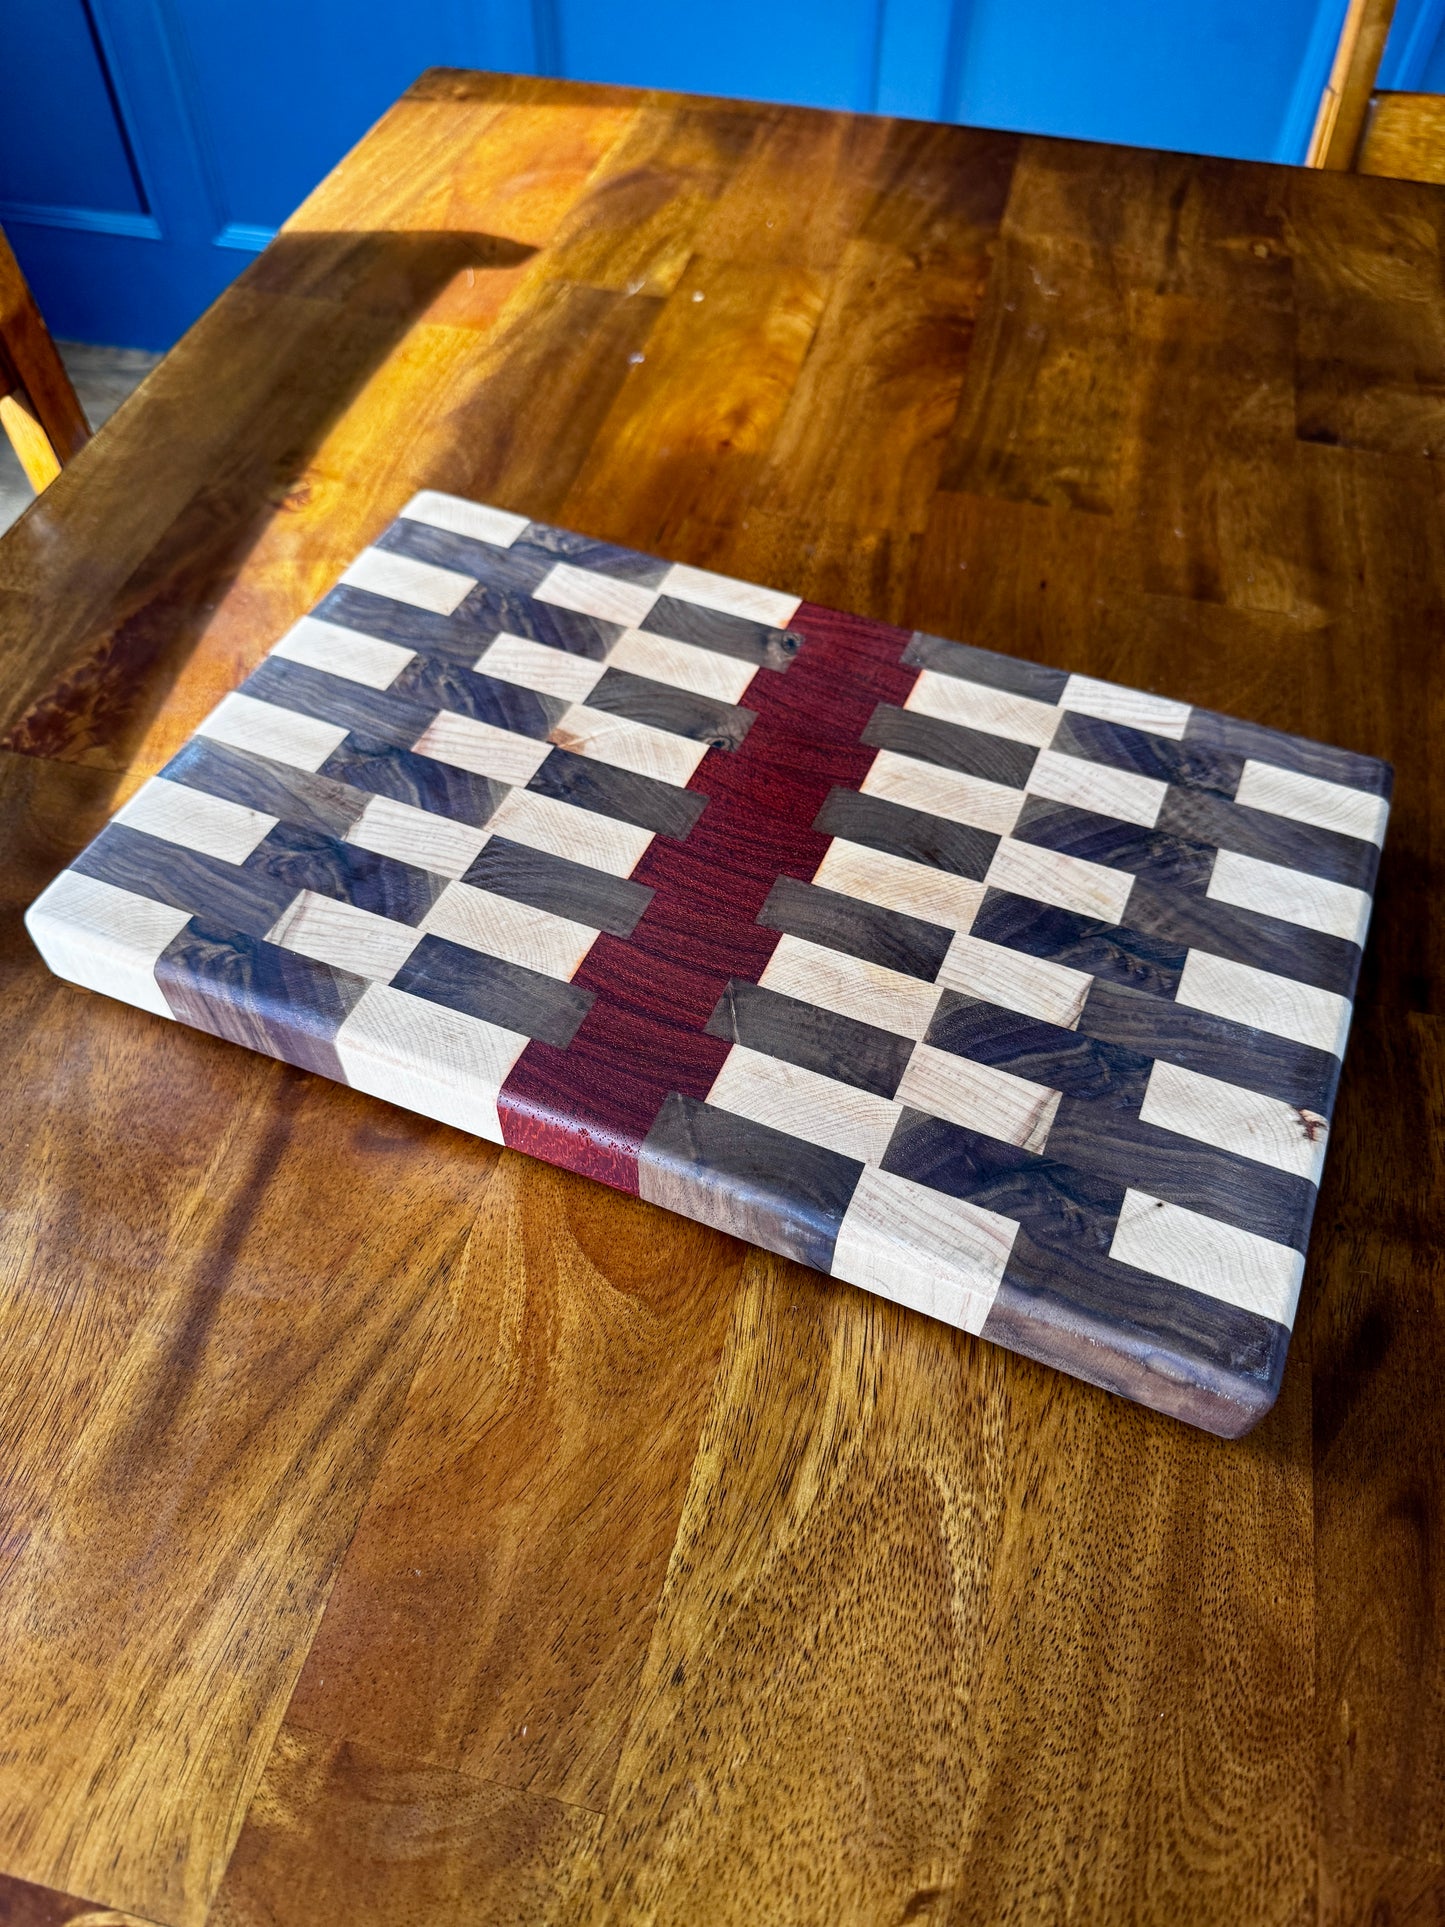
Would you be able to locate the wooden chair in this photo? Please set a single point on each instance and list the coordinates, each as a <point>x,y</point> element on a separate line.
<point>39,409</point>
<point>1369,131</point>
<point>1345,103</point>
<point>1404,136</point>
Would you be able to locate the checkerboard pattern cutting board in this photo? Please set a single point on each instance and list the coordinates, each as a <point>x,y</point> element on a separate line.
<point>1009,994</point>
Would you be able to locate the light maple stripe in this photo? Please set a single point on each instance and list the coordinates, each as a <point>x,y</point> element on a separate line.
<point>893,883</point>
<point>833,981</point>
<point>532,665</point>
<point>1033,986</point>
<point>332,931</point>
<point>475,519</point>
<point>266,730</point>
<point>196,820</point>
<point>948,793</point>
<point>561,829</point>
<point>344,652</point>
<point>1316,903</point>
<point>628,745</point>
<point>706,672</point>
<point>1097,787</point>
<point>805,1104</point>
<point>1235,1119</point>
<point>980,1097</point>
<point>105,939</point>
<point>936,1254</point>
<point>428,1058</point>
<point>516,932</point>
<point>1219,1260</point>
<point>436,843</point>
<point>401,578</point>
<point>953,699</point>
<point>1310,799</point>
<point>1264,1000</point>
<point>1068,882</point>
<point>746,600</point>
<point>1135,708</point>
<point>482,748</point>
<point>589,593</point>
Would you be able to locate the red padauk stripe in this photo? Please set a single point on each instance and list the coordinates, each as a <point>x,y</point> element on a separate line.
<point>589,1107</point>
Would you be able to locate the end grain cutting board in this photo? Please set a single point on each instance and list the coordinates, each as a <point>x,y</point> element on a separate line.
<point>1010,994</point>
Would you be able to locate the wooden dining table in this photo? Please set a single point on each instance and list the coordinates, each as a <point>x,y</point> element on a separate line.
<point>397,1530</point>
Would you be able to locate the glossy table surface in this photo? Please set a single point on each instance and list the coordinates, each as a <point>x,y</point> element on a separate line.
<point>396,1529</point>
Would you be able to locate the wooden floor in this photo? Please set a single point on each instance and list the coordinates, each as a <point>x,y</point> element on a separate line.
<point>398,1531</point>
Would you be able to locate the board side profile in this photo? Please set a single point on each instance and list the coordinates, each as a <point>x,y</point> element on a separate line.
<point>1009,994</point>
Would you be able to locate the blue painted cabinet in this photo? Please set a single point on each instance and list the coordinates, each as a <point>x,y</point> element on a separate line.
<point>147,147</point>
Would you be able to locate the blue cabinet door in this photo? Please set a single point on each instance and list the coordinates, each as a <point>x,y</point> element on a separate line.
<point>147,147</point>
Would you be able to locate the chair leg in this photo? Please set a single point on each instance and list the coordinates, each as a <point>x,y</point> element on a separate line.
<point>29,440</point>
<point>39,408</point>
<point>1345,102</point>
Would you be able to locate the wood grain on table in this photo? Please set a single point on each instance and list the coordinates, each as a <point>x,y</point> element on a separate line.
<point>396,1529</point>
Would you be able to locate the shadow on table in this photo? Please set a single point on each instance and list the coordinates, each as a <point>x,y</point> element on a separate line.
<point>88,680</point>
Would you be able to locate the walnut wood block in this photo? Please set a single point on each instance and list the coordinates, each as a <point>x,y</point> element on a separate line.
<point>401,1529</point>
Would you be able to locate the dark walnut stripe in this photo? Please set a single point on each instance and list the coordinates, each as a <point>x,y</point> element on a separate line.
<point>728,635</point>
<point>509,569</point>
<point>818,1040</point>
<point>772,1189</point>
<point>663,706</point>
<point>1235,1053</point>
<point>506,994</point>
<point>1122,955</point>
<point>1246,936</point>
<point>444,638</point>
<point>487,699</point>
<point>378,714</point>
<point>911,834</point>
<point>401,713</point>
<point>310,801</point>
<point>258,994</point>
<point>553,883</point>
<point>1119,1035</point>
<point>950,745</point>
<point>585,552</point>
<point>1193,826</point>
<point>1271,839</point>
<point>304,859</point>
<point>1110,1139</point>
<point>490,611</point>
<point>860,929</point>
<point>1168,859</point>
<point>962,659</point>
<point>1196,766</point>
<point>1298,753</point>
<point>1148,953</point>
<point>234,898</point>
<point>1179,1351</point>
<point>422,781</point>
<point>620,793</point>
<point>1063,1060</point>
